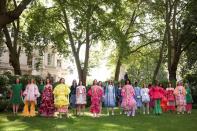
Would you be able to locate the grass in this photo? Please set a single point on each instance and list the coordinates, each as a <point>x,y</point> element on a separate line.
<point>164,122</point>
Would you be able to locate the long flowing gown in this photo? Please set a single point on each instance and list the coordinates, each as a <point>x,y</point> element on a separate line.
<point>110,96</point>
<point>138,96</point>
<point>128,101</point>
<point>47,107</point>
<point>96,94</point>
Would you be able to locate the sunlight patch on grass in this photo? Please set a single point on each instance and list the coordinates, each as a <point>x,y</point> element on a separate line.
<point>61,126</point>
<point>13,126</point>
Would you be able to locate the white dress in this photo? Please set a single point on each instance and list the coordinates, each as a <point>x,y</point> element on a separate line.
<point>81,95</point>
<point>145,95</point>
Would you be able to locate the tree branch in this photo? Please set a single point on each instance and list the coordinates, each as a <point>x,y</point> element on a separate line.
<point>144,45</point>
<point>9,16</point>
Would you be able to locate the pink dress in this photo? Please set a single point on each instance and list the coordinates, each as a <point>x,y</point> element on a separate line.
<point>128,101</point>
<point>180,93</point>
<point>96,94</point>
<point>81,95</point>
<point>31,93</point>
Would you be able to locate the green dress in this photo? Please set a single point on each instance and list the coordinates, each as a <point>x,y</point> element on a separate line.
<point>41,88</point>
<point>188,95</point>
<point>16,93</point>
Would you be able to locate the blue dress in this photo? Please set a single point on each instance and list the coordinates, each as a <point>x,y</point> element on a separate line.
<point>73,96</point>
<point>138,97</point>
<point>110,96</point>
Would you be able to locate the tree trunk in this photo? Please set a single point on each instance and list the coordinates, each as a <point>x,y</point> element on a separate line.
<point>160,58</point>
<point>172,75</point>
<point>86,61</point>
<point>14,51</point>
<point>117,72</point>
<point>16,66</point>
<point>82,72</point>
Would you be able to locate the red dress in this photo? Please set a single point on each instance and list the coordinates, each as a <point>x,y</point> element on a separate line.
<point>157,92</point>
<point>164,101</point>
<point>96,94</point>
<point>152,102</point>
<point>47,107</point>
<point>170,99</point>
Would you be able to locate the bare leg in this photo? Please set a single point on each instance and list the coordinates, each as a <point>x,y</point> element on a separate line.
<point>147,107</point>
<point>13,108</point>
<point>144,107</point>
<point>107,111</point>
<point>83,108</point>
<point>78,106</point>
<point>133,111</point>
<point>17,106</point>
<point>79,109</point>
<point>100,108</point>
<point>112,111</point>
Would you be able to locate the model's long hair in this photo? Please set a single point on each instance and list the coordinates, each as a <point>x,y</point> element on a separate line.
<point>49,80</point>
<point>61,80</point>
<point>18,79</point>
<point>126,82</point>
<point>74,83</point>
<point>94,81</point>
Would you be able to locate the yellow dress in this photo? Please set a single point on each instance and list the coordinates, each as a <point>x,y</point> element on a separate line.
<point>61,95</point>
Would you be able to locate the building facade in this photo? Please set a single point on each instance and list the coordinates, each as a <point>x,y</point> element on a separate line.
<point>49,63</point>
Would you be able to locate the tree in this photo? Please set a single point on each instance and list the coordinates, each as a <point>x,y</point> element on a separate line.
<point>127,23</point>
<point>87,28</point>
<point>8,16</point>
<point>180,31</point>
<point>12,42</point>
<point>69,25</point>
<point>1,44</point>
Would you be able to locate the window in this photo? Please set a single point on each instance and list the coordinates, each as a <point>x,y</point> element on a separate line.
<point>59,63</point>
<point>49,59</point>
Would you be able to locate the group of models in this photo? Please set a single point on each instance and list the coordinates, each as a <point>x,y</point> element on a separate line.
<point>56,101</point>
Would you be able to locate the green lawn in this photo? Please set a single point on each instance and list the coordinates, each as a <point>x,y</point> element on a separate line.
<point>165,122</point>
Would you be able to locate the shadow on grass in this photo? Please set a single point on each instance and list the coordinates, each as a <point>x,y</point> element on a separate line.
<point>167,121</point>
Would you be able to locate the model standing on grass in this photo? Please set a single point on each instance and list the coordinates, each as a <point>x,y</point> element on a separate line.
<point>157,94</point>
<point>61,98</point>
<point>119,97</point>
<point>180,94</point>
<point>31,94</point>
<point>47,107</point>
<point>16,96</point>
<point>128,101</point>
<point>73,96</point>
<point>40,88</point>
<point>152,101</point>
<point>164,100</point>
<point>189,99</point>
<point>170,98</point>
<point>80,98</point>
<point>102,98</point>
<point>96,93</point>
<point>138,96</point>
<point>145,99</point>
<point>110,97</point>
